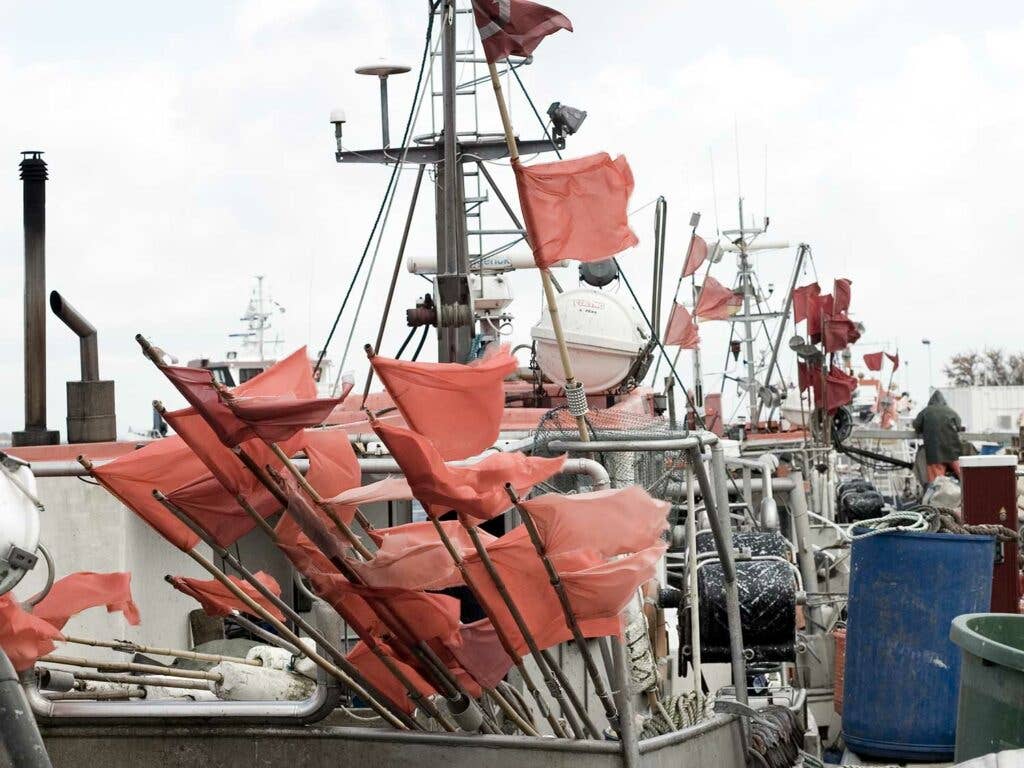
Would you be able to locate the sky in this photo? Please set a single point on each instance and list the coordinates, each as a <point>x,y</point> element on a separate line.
<point>190,149</point>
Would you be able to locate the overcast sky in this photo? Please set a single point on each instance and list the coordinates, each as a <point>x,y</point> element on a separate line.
<point>190,149</point>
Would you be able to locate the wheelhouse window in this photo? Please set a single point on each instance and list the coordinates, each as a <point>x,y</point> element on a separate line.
<point>244,374</point>
<point>222,375</point>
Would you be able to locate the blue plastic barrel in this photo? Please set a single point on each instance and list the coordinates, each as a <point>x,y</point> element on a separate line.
<point>902,670</point>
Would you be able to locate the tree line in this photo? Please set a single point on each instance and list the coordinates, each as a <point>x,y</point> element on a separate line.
<point>989,368</point>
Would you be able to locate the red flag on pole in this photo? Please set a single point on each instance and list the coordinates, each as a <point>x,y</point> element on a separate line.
<point>276,419</point>
<point>80,591</point>
<point>895,360</point>
<point>388,489</point>
<point>806,374</point>
<point>697,255</point>
<point>839,389</point>
<point>716,302</point>
<point>805,301</point>
<point>873,361</point>
<point>515,27</point>
<point>23,636</point>
<point>681,330</point>
<point>429,394</point>
<point>576,209</point>
<point>333,466</point>
<point>218,600</point>
<point>380,677</point>
<point>840,332</point>
<point>613,522</point>
<point>475,491</point>
<point>841,291</point>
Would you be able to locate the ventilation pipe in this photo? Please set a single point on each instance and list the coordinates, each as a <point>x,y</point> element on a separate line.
<point>90,401</point>
<point>33,177</point>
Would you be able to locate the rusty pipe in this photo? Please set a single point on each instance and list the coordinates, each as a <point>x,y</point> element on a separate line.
<point>86,332</point>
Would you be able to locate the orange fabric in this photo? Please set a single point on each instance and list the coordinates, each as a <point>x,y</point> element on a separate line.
<point>379,676</point>
<point>170,464</point>
<point>517,562</point>
<point>476,491</point>
<point>79,591</point>
<point>276,418</point>
<point>576,209</point>
<point>681,331</point>
<point>935,471</point>
<point>601,591</point>
<point>713,413</point>
<point>23,636</point>
<point>388,489</point>
<point>166,464</point>
<point>481,654</point>
<point>696,256</point>
<point>333,466</point>
<point>218,600</point>
<point>413,556</point>
<point>715,301</point>
<point>613,522</point>
<point>430,395</point>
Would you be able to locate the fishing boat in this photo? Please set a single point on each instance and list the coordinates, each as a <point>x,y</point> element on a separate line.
<point>533,554</point>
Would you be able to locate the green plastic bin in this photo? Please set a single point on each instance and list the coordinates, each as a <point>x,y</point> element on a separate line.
<point>990,711</point>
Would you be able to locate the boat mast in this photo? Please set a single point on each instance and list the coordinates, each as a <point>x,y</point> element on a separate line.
<point>747,285</point>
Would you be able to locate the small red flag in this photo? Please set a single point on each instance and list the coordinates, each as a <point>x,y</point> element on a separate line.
<point>388,489</point>
<point>429,394</point>
<point>681,331</point>
<point>895,360</point>
<point>697,255</point>
<point>840,333</point>
<point>79,591</point>
<point>218,600</point>
<point>474,491</point>
<point>805,301</point>
<point>819,309</point>
<point>576,209</point>
<point>839,389</point>
<point>716,301</point>
<point>515,27</point>
<point>275,419</point>
<point>873,361</point>
<point>806,375</point>
<point>841,290</point>
<point>23,636</point>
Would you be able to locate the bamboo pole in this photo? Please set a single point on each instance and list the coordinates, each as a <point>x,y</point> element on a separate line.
<point>128,646</point>
<point>610,710</point>
<point>545,274</point>
<point>126,666</point>
<point>164,682</point>
<point>335,653</point>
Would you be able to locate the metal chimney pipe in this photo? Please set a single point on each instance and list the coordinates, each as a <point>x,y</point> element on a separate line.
<point>33,176</point>
<point>88,344</point>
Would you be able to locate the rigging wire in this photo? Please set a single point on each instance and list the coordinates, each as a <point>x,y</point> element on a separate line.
<point>389,190</point>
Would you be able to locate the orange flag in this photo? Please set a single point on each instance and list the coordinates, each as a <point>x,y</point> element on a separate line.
<point>79,591</point>
<point>379,676</point>
<point>475,491</point>
<point>697,255</point>
<point>333,466</point>
<point>388,489</point>
<point>716,301</point>
<point>430,394</point>
<point>613,522</point>
<point>23,636</point>
<point>576,209</point>
<point>681,331</point>
<point>218,600</point>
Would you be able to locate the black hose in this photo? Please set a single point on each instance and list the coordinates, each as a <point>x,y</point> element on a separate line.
<point>21,737</point>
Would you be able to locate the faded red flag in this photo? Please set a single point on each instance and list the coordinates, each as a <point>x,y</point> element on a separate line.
<point>715,301</point>
<point>475,491</point>
<point>840,332</point>
<point>805,374</point>
<point>576,209</point>
<point>481,653</point>
<point>841,291</point>
<point>805,301</point>
<point>515,27</point>
<point>429,394</point>
<point>613,522</point>
<point>895,360</point>
<point>218,600</point>
<point>681,330</point>
<point>696,256</point>
<point>23,636</point>
<point>873,361</point>
<point>80,591</point>
<point>388,489</point>
<point>839,389</point>
<point>380,677</point>
<point>333,466</point>
<point>275,419</point>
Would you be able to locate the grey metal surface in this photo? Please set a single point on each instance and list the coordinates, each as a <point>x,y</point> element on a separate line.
<point>714,743</point>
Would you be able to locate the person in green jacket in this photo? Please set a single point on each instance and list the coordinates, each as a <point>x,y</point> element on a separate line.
<point>940,427</point>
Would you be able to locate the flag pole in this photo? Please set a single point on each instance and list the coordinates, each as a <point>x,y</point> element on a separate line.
<point>571,385</point>
<point>336,653</point>
<point>610,710</point>
<point>128,646</point>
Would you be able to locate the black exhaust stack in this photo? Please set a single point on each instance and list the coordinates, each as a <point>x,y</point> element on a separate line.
<point>33,176</point>
<point>90,401</point>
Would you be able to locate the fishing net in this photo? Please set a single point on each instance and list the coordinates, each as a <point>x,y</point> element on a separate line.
<point>652,470</point>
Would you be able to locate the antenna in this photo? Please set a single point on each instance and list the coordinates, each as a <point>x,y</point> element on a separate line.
<point>766,186</point>
<point>739,185</point>
<point>714,190</point>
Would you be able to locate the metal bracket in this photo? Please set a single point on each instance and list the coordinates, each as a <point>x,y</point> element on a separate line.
<point>20,559</point>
